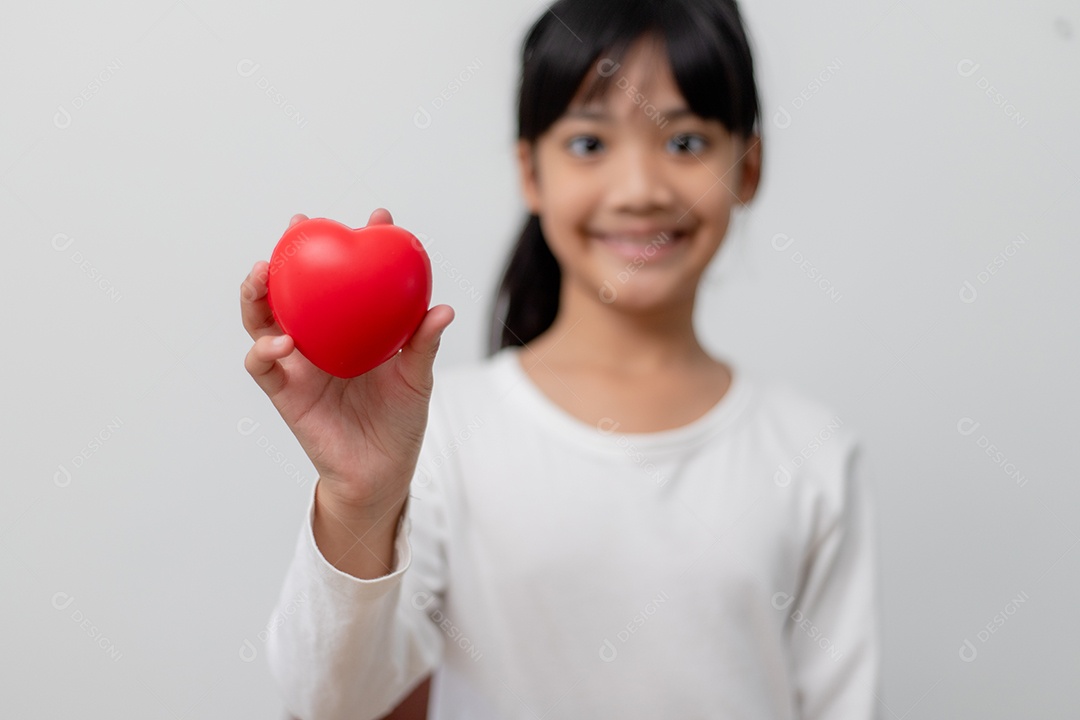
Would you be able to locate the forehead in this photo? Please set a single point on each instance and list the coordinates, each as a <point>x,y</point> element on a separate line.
<point>642,75</point>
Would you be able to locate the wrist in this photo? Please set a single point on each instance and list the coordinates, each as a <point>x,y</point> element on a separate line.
<point>358,541</point>
<point>359,514</point>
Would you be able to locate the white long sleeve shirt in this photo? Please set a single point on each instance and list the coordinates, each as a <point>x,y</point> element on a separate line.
<point>548,568</point>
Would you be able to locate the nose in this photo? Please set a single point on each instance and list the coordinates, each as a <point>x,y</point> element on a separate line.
<point>638,180</point>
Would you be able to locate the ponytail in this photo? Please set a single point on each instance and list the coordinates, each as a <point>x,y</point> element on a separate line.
<point>528,296</point>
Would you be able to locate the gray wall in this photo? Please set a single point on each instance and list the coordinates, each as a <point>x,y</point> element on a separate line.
<point>910,259</point>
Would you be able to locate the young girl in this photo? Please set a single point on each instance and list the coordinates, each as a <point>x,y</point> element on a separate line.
<point>599,519</point>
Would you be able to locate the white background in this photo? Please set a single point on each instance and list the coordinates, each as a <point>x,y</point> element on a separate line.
<point>145,166</point>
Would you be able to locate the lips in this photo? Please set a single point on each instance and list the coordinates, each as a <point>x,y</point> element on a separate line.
<point>657,236</point>
<point>660,238</point>
<point>643,246</point>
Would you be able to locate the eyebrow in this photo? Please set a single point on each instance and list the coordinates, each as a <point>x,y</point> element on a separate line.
<point>672,114</point>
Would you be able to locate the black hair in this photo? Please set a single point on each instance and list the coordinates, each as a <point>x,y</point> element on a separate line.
<point>712,61</point>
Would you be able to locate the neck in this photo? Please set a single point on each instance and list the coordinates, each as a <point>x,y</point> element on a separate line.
<point>610,337</point>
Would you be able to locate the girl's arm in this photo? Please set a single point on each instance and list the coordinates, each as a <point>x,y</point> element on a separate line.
<point>836,639</point>
<point>341,646</point>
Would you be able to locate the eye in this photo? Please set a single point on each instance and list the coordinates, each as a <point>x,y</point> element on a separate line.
<point>590,140</point>
<point>687,141</point>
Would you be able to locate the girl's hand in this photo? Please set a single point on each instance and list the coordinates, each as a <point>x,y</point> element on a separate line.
<point>362,434</point>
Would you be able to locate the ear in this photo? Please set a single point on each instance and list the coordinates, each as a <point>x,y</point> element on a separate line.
<point>530,189</point>
<point>751,169</point>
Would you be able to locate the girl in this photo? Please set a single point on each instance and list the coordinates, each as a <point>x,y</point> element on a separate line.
<point>600,518</point>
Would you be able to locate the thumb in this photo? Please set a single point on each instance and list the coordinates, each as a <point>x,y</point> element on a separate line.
<point>418,355</point>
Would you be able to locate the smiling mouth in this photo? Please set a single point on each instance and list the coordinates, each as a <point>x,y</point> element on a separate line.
<point>634,246</point>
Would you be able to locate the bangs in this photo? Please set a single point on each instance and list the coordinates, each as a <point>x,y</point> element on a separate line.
<point>579,44</point>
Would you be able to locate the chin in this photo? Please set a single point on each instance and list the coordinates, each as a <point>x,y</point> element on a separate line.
<point>637,300</point>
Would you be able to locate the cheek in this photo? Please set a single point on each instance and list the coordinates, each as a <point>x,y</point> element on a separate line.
<point>715,194</point>
<point>570,201</point>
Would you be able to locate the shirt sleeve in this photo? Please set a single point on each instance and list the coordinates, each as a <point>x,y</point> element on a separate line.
<point>343,647</point>
<point>835,634</point>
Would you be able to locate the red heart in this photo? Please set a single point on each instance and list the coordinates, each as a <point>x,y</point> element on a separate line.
<point>349,298</point>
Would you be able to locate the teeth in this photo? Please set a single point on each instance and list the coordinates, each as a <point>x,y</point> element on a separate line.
<point>659,239</point>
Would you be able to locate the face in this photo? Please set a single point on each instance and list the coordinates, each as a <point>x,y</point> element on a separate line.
<point>634,192</point>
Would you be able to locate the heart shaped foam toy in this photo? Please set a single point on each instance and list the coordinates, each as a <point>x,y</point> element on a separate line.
<point>350,298</point>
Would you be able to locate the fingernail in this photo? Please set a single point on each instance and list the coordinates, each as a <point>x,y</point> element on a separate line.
<point>279,341</point>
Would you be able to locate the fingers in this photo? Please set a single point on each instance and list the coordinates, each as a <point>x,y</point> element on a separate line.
<point>254,285</point>
<point>418,355</point>
<point>262,363</point>
<point>254,308</point>
<point>425,341</point>
<point>381,216</point>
